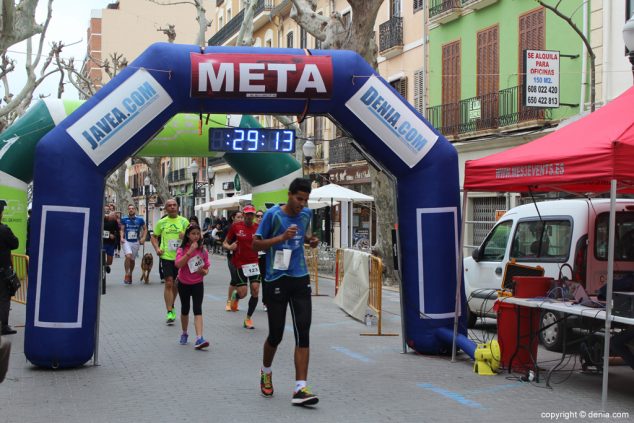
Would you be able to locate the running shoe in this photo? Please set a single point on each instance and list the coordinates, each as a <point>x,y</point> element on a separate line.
<point>107,268</point>
<point>266,383</point>
<point>248,323</point>
<point>304,397</point>
<point>183,340</point>
<point>228,306</point>
<point>201,343</point>
<point>170,317</point>
<point>234,301</point>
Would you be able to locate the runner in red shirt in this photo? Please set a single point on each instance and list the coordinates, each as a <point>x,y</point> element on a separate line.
<point>239,239</point>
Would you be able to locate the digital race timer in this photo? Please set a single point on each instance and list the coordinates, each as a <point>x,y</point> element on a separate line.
<point>254,140</point>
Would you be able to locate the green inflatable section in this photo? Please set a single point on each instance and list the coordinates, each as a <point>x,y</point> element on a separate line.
<point>268,173</point>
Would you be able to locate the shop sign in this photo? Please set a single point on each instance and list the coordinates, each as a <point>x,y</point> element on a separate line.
<point>350,175</point>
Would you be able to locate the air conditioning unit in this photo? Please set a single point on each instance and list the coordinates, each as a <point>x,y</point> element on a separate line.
<point>227,185</point>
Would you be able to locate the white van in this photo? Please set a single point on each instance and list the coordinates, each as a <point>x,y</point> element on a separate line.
<point>567,236</point>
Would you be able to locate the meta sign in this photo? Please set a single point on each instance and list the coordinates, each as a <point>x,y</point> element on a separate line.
<point>541,78</point>
<point>260,76</point>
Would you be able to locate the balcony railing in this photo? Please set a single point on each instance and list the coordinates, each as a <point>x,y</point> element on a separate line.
<point>485,112</point>
<point>477,4</point>
<point>391,34</point>
<point>442,11</point>
<point>233,26</point>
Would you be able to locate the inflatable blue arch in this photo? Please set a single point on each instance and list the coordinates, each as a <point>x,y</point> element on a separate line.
<point>73,160</point>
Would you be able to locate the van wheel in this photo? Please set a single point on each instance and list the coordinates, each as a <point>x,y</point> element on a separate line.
<point>552,337</point>
<point>472,318</point>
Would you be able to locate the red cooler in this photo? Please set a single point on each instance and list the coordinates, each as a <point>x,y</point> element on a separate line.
<point>517,336</point>
<point>531,286</point>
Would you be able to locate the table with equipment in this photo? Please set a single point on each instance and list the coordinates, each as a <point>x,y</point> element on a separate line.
<point>567,308</point>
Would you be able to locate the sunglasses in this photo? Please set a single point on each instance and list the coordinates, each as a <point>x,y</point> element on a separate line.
<point>259,215</point>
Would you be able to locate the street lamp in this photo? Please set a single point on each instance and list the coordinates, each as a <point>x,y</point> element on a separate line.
<point>193,169</point>
<point>628,37</point>
<point>147,182</point>
<point>309,152</point>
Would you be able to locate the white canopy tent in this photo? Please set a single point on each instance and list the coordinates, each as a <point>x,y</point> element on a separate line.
<point>236,201</point>
<point>331,193</point>
<point>334,192</point>
<point>225,203</point>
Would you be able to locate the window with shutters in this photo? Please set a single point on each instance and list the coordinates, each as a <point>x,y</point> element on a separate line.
<point>289,40</point>
<point>450,87</point>
<point>419,91</point>
<point>488,81</point>
<point>400,85</point>
<point>303,38</point>
<point>395,8</point>
<point>418,5</point>
<point>532,36</point>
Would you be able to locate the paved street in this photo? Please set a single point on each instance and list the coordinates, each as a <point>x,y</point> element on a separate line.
<point>144,375</point>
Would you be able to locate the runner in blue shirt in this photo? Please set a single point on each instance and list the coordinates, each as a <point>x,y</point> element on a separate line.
<point>282,233</point>
<point>133,232</point>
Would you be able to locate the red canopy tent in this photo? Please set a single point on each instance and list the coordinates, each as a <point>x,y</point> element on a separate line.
<point>584,156</point>
<point>594,154</point>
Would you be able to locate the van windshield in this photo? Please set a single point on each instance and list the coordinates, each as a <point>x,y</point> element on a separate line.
<point>547,240</point>
<point>624,237</point>
<point>494,246</point>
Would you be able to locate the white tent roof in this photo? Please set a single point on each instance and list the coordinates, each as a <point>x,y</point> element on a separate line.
<point>334,192</point>
<point>225,203</point>
<point>237,200</point>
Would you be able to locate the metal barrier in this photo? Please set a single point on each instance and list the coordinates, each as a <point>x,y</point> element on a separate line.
<point>375,295</point>
<point>20,263</point>
<point>338,269</point>
<point>312,262</point>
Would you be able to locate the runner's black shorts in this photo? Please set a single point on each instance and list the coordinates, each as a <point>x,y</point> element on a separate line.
<point>243,280</point>
<point>169,268</point>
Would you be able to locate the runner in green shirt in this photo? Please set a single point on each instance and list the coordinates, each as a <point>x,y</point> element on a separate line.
<point>171,229</point>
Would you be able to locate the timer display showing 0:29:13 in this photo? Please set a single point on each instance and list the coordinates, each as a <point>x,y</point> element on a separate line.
<point>253,140</point>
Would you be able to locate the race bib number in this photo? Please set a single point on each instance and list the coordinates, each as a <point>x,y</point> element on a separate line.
<point>173,244</point>
<point>282,259</point>
<point>195,263</point>
<point>250,270</point>
<point>106,234</point>
<point>132,236</point>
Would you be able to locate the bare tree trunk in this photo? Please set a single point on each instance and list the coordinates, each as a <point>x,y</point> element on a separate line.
<point>383,193</point>
<point>160,184</point>
<point>245,36</point>
<point>18,24</point>
<point>117,183</point>
<point>201,18</point>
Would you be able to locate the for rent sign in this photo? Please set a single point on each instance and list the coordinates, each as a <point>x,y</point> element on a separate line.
<point>541,78</point>
<point>260,76</point>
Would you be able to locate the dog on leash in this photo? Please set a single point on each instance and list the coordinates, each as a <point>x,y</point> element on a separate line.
<point>146,267</point>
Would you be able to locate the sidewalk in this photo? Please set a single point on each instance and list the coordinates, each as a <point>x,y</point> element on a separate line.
<point>144,375</point>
